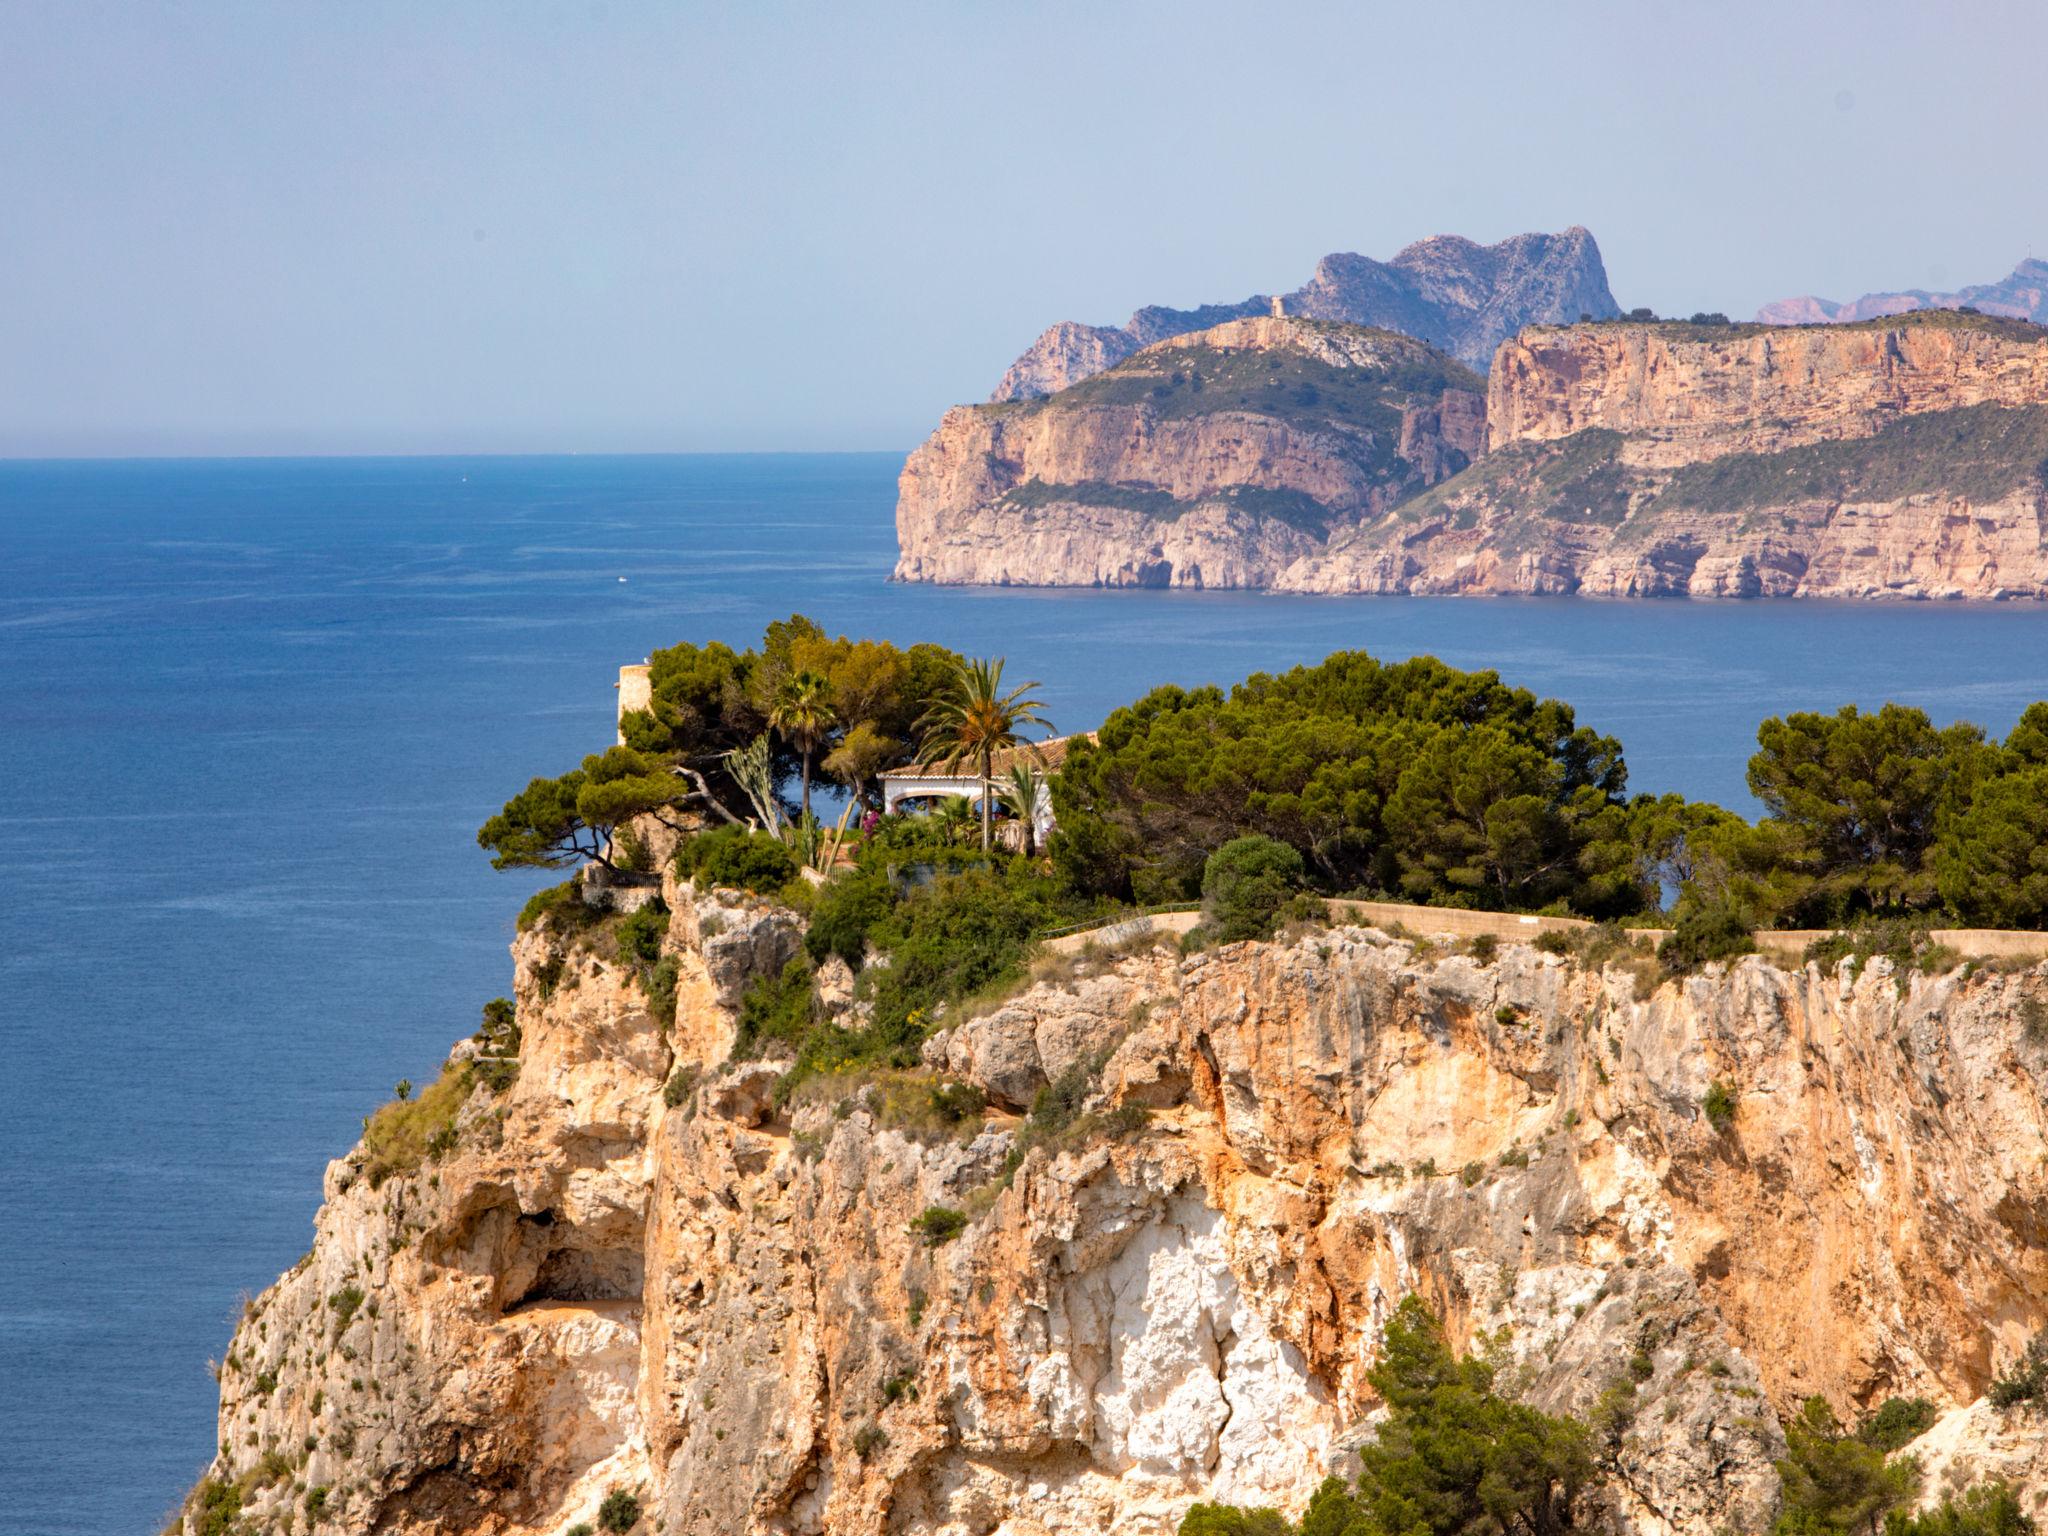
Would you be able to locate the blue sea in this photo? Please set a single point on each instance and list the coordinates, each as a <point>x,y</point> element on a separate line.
<point>252,711</point>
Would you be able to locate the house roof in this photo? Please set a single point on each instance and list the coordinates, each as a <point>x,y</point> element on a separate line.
<point>1046,755</point>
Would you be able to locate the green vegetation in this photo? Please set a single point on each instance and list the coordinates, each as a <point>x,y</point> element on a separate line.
<point>2025,1382</point>
<point>1411,780</point>
<point>619,1512</point>
<point>1453,1456</point>
<point>1989,1509</point>
<point>970,719</point>
<point>1297,509</point>
<point>405,1133</point>
<point>1246,884</point>
<point>1897,1422</point>
<point>1837,1482</point>
<point>1718,1105</point>
<point>939,1225</point>
<point>737,858</point>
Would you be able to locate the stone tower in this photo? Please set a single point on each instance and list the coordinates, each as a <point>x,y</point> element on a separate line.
<point>636,691</point>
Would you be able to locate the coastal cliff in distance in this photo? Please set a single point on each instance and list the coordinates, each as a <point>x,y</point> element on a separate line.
<point>603,1260</point>
<point>1459,296</point>
<point>1899,458</point>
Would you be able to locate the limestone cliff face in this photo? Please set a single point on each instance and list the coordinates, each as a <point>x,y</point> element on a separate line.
<point>1902,459</point>
<point>1455,294</point>
<point>1168,470</point>
<point>722,1303</point>
<point>1682,394</point>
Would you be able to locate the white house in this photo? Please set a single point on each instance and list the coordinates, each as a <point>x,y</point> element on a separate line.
<point>940,782</point>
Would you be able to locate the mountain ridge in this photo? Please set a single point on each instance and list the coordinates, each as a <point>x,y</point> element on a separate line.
<point>1460,296</point>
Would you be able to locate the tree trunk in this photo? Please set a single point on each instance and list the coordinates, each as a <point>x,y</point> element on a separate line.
<point>807,783</point>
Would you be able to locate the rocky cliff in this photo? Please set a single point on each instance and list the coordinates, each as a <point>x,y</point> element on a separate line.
<point>635,1268</point>
<point>2022,294</point>
<point>1459,296</point>
<point>1904,458</point>
<point>1206,460</point>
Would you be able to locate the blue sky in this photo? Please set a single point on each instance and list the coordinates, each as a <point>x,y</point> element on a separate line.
<point>509,227</point>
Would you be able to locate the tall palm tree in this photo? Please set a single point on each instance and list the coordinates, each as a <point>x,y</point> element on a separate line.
<point>1022,791</point>
<point>973,720</point>
<point>803,713</point>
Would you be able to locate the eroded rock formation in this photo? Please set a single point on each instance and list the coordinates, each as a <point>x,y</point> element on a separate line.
<point>1898,459</point>
<point>634,1268</point>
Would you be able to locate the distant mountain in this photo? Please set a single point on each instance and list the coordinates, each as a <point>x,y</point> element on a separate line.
<point>1459,296</point>
<point>2023,295</point>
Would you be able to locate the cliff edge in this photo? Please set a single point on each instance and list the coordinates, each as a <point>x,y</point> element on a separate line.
<point>1128,1239</point>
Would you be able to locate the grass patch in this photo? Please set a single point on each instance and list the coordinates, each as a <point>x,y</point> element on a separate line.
<point>405,1133</point>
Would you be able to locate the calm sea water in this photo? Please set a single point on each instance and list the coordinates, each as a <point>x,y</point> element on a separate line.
<point>251,713</point>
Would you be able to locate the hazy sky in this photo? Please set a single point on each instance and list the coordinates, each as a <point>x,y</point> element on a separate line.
<point>361,227</point>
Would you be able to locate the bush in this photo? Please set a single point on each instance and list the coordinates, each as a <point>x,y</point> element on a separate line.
<point>868,1439</point>
<point>566,897</point>
<point>1834,1481</point>
<point>1245,885</point>
<point>846,911</point>
<point>1989,1509</point>
<point>1706,932</point>
<point>939,1224</point>
<point>736,858</point>
<point>1452,1456</point>
<point>640,934</point>
<point>2026,1380</point>
<point>619,1512</point>
<point>1897,1421</point>
<point>1718,1105</point>
<point>782,1007</point>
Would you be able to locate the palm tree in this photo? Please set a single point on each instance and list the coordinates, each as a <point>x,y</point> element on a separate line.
<point>973,720</point>
<point>803,712</point>
<point>1022,791</point>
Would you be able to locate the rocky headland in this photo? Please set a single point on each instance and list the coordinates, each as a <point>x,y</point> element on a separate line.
<point>1898,458</point>
<point>611,1260</point>
<point>1457,295</point>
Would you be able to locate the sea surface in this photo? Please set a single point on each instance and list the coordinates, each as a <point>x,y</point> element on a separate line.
<point>252,711</point>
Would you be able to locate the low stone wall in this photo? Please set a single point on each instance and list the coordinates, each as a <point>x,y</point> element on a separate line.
<point>1784,945</point>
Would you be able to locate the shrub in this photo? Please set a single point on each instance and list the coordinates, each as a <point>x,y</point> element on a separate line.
<point>619,1512</point>
<point>1897,1421</point>
<point>1485,948</point>
<point>781,1007</point>
<point>581,1528</point>
<point>1989,1509</point>
<point>563,898</point>
<point>681,1083</point>
<point>903,1384</point>
<point>1453,1455</point>
<point>640,934</point>
<point>868,1439</point>
<point>1245,885</point>
<point>1705,932</point>
<point>660,986</point>
<point>1718,1105</point>
<point>939,1224</point>
<point>2026,1380</point>
<point>738,858</point>
<point>217,1506</point>
<point>846,911</point>
<point>1833,1481</point>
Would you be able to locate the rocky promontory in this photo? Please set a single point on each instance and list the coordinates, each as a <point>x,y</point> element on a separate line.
<point>606,1261</point>
<point>1459,296</point>
<point>1898,458</point>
